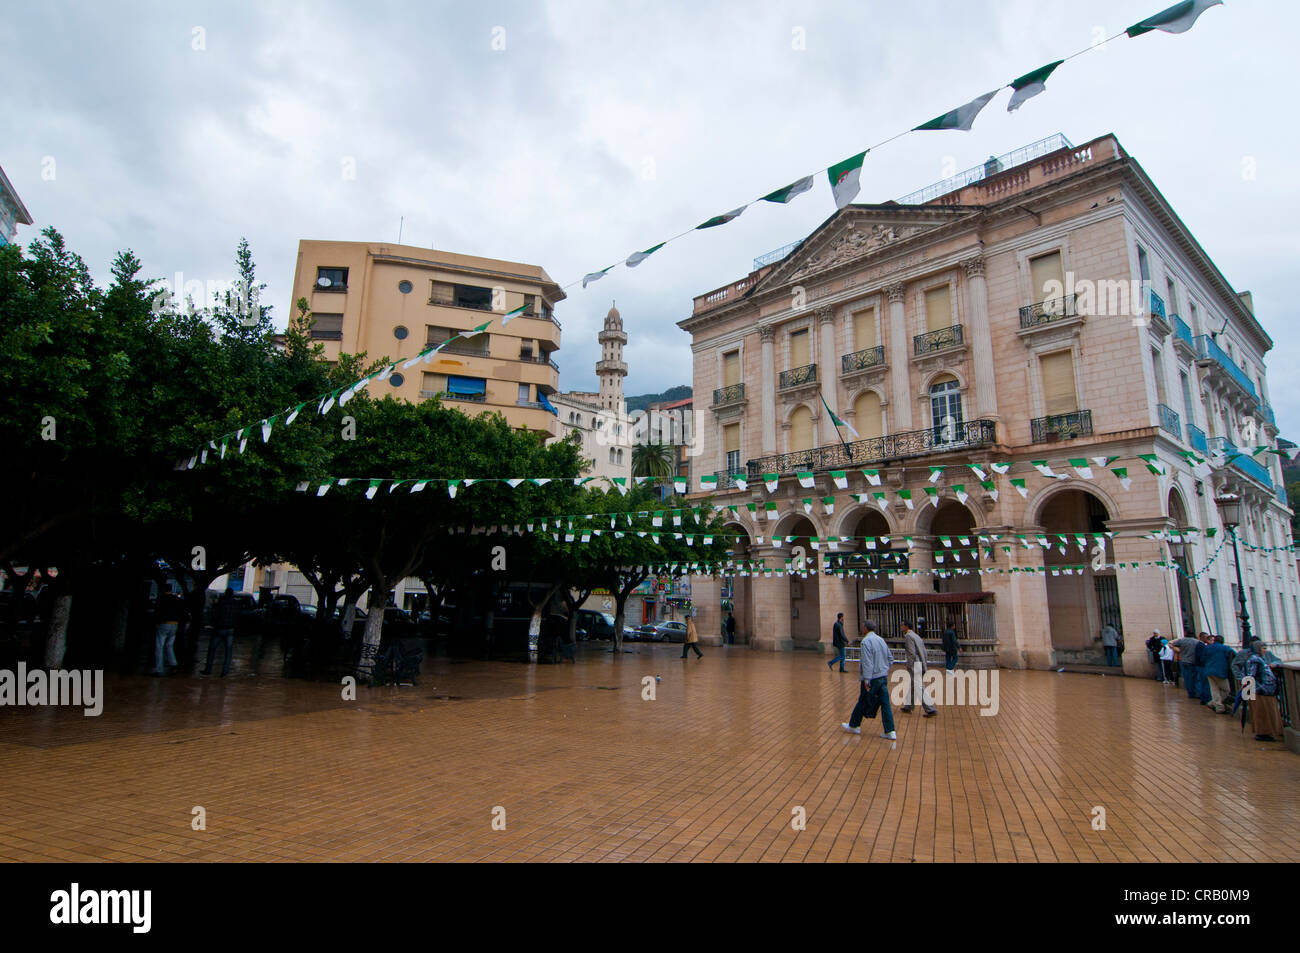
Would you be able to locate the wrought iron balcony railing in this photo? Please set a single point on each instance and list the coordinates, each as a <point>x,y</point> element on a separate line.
<point>965,435</point>
<point>476,398</point>
<point>1208,350</point>
<point>867,357</point>
<point>1196,437</point>
<point>1157,305</point>
<point>467,349</point>
<point>1281,496</point>
<point>727,478</point>
<point>1055,427</point>
<point>1182,332</point>
<point>1169,421</point>
<point>731,394</point>
<point>938,340</point>
<point>1242,461</point>
<point>1266,413</point>
<point>799,375</point>
<point>1044,312</point>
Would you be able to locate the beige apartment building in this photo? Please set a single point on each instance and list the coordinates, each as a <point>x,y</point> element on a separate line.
<point>1046,306</point>
<point>394,300</point>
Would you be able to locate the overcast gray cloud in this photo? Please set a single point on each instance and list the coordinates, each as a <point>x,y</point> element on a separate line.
<point>602,128</point>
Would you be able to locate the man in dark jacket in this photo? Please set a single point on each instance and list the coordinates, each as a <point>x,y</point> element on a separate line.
<point>169,613</point>
<point>839,641</point>
<point>949,648</point>
<point>223,625</point>
<point>1218,661</point>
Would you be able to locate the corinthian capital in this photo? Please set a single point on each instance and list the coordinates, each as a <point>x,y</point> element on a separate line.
<point>974,266</point>
<point>767,334</point>
<point>825,314</point>
<point>895,292</point>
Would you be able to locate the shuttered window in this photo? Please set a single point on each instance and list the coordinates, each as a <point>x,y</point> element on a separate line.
<point>731,446</point>
<point>1058,383</point>
<point>799,353</point>
<point>867,417</point>
<point>801,429</point>
<point>1046,276</point>
<point>938,309</point>
<point>731,369</point>
<point>864,329</point>
<point>327,327</point>
<point>433,383</point>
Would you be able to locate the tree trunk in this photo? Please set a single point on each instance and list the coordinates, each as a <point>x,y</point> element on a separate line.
<point>121,613</point>
<point>620,603</point>
<point>57,641</point>
<point>373,631</point>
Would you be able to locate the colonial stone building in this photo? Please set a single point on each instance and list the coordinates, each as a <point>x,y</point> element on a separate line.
<point>1047,306</point>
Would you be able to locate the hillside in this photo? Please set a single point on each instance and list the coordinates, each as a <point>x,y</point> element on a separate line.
<point>643,401</point>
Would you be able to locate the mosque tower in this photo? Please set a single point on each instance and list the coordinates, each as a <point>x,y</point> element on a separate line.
<point>610,369</point>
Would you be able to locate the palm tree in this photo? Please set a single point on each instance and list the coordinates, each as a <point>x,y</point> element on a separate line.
<point>654,460</point>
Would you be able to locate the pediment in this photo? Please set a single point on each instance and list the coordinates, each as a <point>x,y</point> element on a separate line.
<point>858,233</point>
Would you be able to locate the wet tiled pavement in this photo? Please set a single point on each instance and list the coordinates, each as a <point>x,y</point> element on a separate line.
<point>711,770</point>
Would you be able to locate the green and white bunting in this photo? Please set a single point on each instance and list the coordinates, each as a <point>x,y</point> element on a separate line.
<point>784,195</point>
<point>1179,18</point>
<point>963,117</point>
<point>1030,85</point>
<point>845,178</point>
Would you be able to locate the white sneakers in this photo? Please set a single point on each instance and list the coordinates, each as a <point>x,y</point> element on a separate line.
<point>850,729</point>
<point>891,735</point>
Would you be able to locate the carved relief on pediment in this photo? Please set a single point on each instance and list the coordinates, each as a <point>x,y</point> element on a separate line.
<point>854,242</point>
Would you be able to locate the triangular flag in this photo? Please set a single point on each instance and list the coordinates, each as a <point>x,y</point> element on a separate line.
<point>636,258</point>
<point>829,503</point>
<point>841,479</point>
<point>960,490</point>
<point>1019,484</point>
<point>1030,85</point>
<point>1154,465</point>
<point>783,196</point>
<point>742,483</point>
<point>1042,467</point>
<point>324,488</point>
<point>844,178</point>
<point>906,497</point>
<point>1000,468</point>
<point>451,488</point>
<point>1121,473</point>
<point>374,488</point>
<point>722,219</point>
<point>873,477</point>
<point>1176,19</point>
<point>419,485</point>
<point>511,315</point>
<point>978,471</point>
<point>620,483</point>
<point>594,276</point>
<point>807,504</point>
<point>293,415</point>
<point>1081,467</point>
<point>770,480</point>
<point>960,118</point>
<point>805,479</point>
<point>935,473</point>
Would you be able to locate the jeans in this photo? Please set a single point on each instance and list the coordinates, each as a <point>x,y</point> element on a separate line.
<point>839,657</point>
<point>226,636</point>
<point>950,660</point>
<point>871,697</point>
<point>1112,654</point>
<point>1192,679</point>
<point>164,646</point>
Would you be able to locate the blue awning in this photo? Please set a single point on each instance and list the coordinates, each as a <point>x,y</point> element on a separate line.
<point>466,385</point>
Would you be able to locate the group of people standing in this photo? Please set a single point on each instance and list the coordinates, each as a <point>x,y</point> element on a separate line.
<point>1220,679</point>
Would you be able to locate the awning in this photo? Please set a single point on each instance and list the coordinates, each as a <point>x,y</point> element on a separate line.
<point>914,598</point>
<point>466,385</point>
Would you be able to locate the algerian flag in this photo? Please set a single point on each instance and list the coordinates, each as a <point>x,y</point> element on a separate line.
<point>960,118</point>
<point>679,484</point>
<point>844,178</point>
<point>807,504</point>
<point>805,479</point>
<point>1019,484</point>
<point>784,195</point>
<point>880,500</point>
<point>873,477</point>
<point>722,219</point>
<point>636,258</point>
<point>829,503</point>
<point>906,497</point>
<point>480,329</point>
<point>841,479</point>
<point>413,361</point>
<point>1081,467</point>
<point>1154,465</point>
<point>978,471</point>
<point>770,480</point>
<point>266,431</point>
<point>1177,19</point>
<point>836,420</point>
<point>451,488</point>
<point>1000,468</point>
<point>677,517</point>
<point>1030,85</point>
<point>419,485</point>
<point>742,482</point>
<point>709,482</point>
<point>935,473</point>
<point>511,315</point>
<point>771,510</point>
<point>328,402</point>
<point>960,490</point>
<point>933,494</point>
<point>1121,473</point>
<point>752,507</point>
<point>302,487</point>
<point>595,276</point>
<point>374,488</point>
<point>293,415</point>
<point>324,488</point>
<point>1042,467</point>
<point>658,519</point>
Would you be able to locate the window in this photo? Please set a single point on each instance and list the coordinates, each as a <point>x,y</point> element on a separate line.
<point>868,416</point>
<point>327,327</point>
<point>800,356</point>
<point>613,457</point>
<point>1059,396</point>
<point>404,286</point>
<point>801,429</point>
<point>1172,300</point>
<point>474,387</point>
<point>1196,320</point>
<point>1159,369</point>
<point>938,309</point>
<point>1144,266</point>
<point>731,446</point>
<point>1254,606</point>
<point>1047,277</point>
<point>437,335</point>
<point>400,332</point>
<point>525,350</point>
<point>525,393</point>
<point>945,410</point>
<point>396,379</point>
<point>1187,395</point>
<point>472,296</point>
<point>1214,602</point>
<point>331,279</point>
<point>865,332</point>
<point>731,369</point>
<point>433,384</point>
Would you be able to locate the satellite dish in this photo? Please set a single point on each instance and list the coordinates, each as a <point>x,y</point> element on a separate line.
<point>323,282</point>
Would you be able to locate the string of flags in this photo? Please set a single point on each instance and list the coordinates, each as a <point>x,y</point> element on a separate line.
<point>845,176</point>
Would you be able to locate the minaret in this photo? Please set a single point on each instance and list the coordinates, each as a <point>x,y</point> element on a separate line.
<point>610,368</point>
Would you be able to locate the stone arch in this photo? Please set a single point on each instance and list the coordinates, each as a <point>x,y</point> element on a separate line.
<point>789,521</point>
<point>1180,552</point>
<point>737,591</point>
<point>956,520</point>
<point>1039,500</point>
<point>851,516</point>
<point>940,374</point>
<point>805,601</point>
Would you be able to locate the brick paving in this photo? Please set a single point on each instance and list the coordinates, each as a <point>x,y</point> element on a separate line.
<point>587,770</point>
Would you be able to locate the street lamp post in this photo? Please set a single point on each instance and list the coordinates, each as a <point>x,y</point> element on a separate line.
<point>1229,505</point>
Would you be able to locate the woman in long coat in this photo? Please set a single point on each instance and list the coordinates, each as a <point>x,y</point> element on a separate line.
<point>692,638</point>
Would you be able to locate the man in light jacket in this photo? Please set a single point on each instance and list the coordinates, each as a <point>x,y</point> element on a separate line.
<point>916,667</point>
<point>873,684</point>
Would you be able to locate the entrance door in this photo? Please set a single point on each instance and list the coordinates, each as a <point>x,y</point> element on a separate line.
<point>1107,588</point>
<point>945,412</point>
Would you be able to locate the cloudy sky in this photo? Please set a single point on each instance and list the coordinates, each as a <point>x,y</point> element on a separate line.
<point>569,134</point>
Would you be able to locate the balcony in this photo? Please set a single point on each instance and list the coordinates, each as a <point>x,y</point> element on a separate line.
<point>1196,437</point>
<point>1055,427</point>
<point>1265,412</point>
<point>539,359</point>
<point>798,376</point>
<point>1169,421</point>
<point>940,340</point>
<point>861,360</point>
<point>1183,333</point>
<point>733,394</point>
<point>1210,354</point>
<point>448,395</point>
<point>727,478</point>
<point>1281,497</point>
<point>1157,307</point>
<point>467,349</point>
<point>1045,312</point>
<point>1242,462</point>
<point>966,435</point>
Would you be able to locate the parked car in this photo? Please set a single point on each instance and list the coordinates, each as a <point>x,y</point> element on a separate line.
<point>670,631</point>
<point>594,625</point>
<point>631,633</point>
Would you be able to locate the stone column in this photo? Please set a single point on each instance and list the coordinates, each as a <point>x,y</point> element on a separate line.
<point>920,557</point>
<point>1020,593</point>
<point>826,375</point>
<point>1146,602</point>
<point>768,408</point>
<point>981,340</point>
<point>835,595</point>
<point>707,602</point>
<point>899,363</point>
<point>771,624</point>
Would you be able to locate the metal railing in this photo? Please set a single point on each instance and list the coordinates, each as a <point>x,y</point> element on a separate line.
<point>938,340</point>
<point>1208,350</point>
<point>1169,421</point>
<point>729,394</point>
<point>1044,312</point>
<point>1196,437</point>
<point>727,478</point>
<point>318,335</point>
<point>1034,150</point>
<point>475,398</point>
<point>1242,462</point>
<point>1182,332</point>
<point>867,357</point>
<point>468,350</point>
<point>912,443</point>
<point>1266,412</point>
<point>798,375</point>
<point>776,255</point>
<point>1061,426</point>
<point>1157,304</point>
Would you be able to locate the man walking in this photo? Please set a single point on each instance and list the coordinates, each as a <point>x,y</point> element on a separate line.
<point>223,625</point>
<point>840,642</point>
<point>873,684</point>
<point>692,640</point>
<point>1186,651</point>
<point>916,668</point>
<point>168,613</point>
<point>1218,660</point>
<point>731,628</point>
<point>1110,642</point>
<point>949,647</point>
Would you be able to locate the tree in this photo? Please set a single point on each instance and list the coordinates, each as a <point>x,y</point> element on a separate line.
<point>655,460</point>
